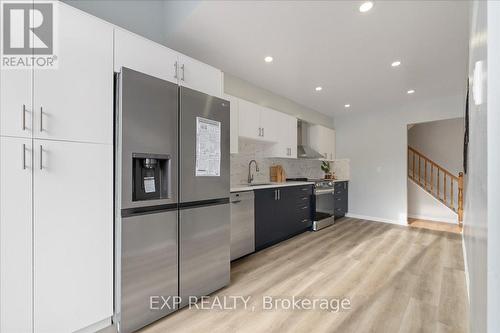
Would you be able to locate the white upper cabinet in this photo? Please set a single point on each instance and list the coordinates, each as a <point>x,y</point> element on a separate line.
<point>15,103</point>
<point>199,76</point>
<point>271,124</point>
<point>234,123</point>
<point>322,139</point>
<point>258,123</point>
<point>143,55</point>
<point>75,101</point>
<point>286,129</point>
<point>249,120</point>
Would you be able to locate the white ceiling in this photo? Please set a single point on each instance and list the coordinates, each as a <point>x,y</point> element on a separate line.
<point>331,44</point>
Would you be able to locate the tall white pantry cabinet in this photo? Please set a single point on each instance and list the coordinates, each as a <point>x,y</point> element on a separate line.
<point>56,175</point>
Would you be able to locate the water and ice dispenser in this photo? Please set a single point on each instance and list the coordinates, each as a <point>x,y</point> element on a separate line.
<point>151,176</point>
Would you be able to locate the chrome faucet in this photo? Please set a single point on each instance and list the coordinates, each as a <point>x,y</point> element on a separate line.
<point>250,176</point>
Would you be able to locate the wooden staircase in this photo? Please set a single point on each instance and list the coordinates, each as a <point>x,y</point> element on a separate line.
<point>436,180</point>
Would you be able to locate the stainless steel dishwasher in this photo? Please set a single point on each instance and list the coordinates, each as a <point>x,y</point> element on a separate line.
<point>242,224</point>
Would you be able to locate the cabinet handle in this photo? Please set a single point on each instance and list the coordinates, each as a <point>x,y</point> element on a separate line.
<point>236,201</point>
<point>24,156</point>
<point>305,220</point>
<point>24,117</point>
<point>305,207</point>
<point>182,68</point>
<point>41,157</point>
<point>263,131</point>
<point>176,70</point>
<point>41,119</point>
<point>279,194</point>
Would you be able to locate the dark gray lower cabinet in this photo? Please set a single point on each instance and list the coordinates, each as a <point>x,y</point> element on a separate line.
<point>340,197</point>
<point>281,213</point>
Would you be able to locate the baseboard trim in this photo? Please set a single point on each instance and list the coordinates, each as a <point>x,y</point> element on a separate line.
<point>466,268</point>
<point>100,325</point>
<point>429,218</point>
<point>373,218</point>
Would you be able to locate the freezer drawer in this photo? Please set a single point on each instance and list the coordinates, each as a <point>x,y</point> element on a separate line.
<point>204,250</point>
<point>148,267</point>
<point>242,224</point>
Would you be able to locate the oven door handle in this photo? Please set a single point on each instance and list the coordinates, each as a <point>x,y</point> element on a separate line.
<point>320,192</point>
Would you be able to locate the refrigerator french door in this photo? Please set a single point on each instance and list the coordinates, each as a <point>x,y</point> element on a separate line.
<point>204,218</point>
<point>146,225</point>
<point>172,187</point>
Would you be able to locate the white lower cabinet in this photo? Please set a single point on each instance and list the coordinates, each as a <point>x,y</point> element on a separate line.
<point>56,232</point>
<point>16,236</point>
<point>73,235</point>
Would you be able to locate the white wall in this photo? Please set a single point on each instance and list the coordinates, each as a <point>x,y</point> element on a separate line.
<point>476,200</point>
<point>422,205</point>
<point>144,17</point>
<point>376,144</point>
<point>250,92</point>
<point>494,166</point>
<point>441,141</point>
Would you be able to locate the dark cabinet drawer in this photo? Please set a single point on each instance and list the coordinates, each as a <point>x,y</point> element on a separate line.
<point>340,186</point>
<point>340,198</point>
<point>281,213</point>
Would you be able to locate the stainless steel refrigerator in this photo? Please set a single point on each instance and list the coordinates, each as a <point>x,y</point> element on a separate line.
<point>172,235</point>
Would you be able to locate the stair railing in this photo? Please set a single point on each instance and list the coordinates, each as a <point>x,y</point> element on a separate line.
<point>436,180</point>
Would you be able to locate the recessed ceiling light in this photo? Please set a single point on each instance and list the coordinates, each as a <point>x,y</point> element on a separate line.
<point>366,6</point>
<point>268,59</point>
<point>396,63</point>
<point>411,91</point>
<point>319,88</point>
<point>347,106</point>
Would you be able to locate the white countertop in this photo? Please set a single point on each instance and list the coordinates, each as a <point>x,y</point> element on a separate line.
<point>257,186</point>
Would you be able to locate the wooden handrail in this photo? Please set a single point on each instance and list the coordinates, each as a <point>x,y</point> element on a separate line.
<point>450,181</point>
<point>448,173</point>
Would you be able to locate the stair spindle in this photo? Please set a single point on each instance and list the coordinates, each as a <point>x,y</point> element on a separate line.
<point>425,173</point>
<point>444,186</point>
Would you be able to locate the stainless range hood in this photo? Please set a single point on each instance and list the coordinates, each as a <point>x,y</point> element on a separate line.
<point>303,148</point>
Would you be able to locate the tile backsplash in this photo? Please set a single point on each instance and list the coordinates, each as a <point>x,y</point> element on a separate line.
<point>252,150</point>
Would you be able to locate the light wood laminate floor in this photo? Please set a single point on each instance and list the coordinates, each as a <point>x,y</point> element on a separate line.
<point>433,225</point>
<point>397,278</point>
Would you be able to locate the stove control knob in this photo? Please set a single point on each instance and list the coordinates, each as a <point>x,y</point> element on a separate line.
<point>330,184</point>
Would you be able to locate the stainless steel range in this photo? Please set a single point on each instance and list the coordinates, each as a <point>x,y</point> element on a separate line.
<point>323,201</point>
